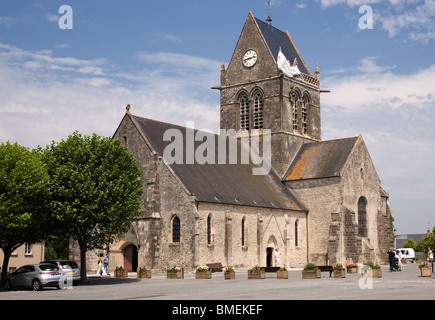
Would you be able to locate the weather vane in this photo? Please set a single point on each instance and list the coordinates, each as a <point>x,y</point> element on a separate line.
<point>269,19</point>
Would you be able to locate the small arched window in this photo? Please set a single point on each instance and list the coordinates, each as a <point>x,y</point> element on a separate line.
<point>176,229</point>
<point>296,232</point>
<point>243,231</point>
<point>362,217</point>
<point>209,231</point>
<point>244,111</point>
<point>258,109</point>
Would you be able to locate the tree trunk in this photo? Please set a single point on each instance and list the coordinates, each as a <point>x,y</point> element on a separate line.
<point>83,273</point>
<point>6,254</point>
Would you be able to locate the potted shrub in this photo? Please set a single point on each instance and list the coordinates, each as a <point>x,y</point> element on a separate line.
<point>143,273</point>
<point>375,270</point>
<point>352,268</point>
<point>229,273</point>
<point>256,273</point>
<point>339,271</point>
<point>311,272</point>
<point>120,272</point>
<point>282,273</point>
<point>425,270</point>
<point>173,273</point>
<point>203,272</point>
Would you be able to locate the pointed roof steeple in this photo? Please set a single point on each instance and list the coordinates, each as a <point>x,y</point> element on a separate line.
<point>276,38</point>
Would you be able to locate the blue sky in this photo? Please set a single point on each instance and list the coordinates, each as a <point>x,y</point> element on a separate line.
<point>163,56</point>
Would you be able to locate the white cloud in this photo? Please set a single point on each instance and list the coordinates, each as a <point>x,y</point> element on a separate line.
<point>395,115</point>
<point>168,36</point>
<point>414,18</point>
<point>45,98</point>
<point>420,19</point>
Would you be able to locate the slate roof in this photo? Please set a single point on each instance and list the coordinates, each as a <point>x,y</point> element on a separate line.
<point>220,183</point>
<point>276,38</point>
<point>321,159</point>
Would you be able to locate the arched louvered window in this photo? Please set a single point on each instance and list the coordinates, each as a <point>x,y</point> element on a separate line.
<point>305,105</point>
<point>258,110</point>
<point>295,100</point>
<point>244,111</point>
<point>176,229</point>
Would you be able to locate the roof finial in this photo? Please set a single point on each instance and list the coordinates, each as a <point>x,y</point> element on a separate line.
<point>269,19</point>
<point>127,109</point>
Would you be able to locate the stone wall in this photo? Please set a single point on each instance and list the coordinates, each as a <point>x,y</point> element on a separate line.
<point>263,227</point>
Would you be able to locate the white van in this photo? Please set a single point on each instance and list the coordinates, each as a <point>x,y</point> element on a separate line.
<point>408,253</point>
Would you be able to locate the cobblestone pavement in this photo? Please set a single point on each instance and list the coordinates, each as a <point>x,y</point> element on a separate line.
<point>407,284</point>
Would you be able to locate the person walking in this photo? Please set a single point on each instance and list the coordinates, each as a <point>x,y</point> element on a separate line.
<point>101,270</point>
<point>391,258</point>
<point>106,264</point>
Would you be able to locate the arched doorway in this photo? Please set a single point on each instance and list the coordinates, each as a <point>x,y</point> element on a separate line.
<point>130,258</point>
<point>270,250</point>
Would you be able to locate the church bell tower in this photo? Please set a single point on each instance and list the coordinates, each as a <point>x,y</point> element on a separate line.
<point>267,85</point>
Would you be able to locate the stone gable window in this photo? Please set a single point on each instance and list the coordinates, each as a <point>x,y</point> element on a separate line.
<point>362,217</point>
<point>176,229</point>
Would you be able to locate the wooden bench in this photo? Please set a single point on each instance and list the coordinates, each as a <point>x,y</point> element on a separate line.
<point>214,267</point>
<point>326,268</point>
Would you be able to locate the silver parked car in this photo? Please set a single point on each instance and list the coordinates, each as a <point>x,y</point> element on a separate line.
<point>69,268</point>
<point>35,276</point>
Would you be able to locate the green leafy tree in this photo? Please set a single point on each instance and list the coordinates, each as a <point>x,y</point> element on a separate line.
<point>410,243</point>
<point>428,241</point>
<point>24,192</point>
<point>95,190</point>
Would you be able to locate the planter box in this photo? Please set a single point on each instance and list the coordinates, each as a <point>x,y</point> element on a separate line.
<point>311,274</point>
<point>425,272</point>
<point>121,274</point>
<point>352,270</point>
<point>282,274</point>
<point>340,273</point>
<point>229,275</point>
<point>173,275</point>
<point>257,275</point>
<point>203,274</point>
<point>375,273</point>
<point>144,274</point>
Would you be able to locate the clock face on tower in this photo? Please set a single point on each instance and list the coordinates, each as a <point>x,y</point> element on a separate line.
<point>250,58</point>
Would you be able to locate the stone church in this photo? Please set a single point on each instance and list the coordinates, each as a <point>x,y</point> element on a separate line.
<point>321,201</point>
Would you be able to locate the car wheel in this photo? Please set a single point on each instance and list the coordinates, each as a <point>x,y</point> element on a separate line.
<point>36,285</point>
<point>8,284</point>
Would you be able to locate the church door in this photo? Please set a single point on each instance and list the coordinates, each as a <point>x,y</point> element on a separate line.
<point>130,258</point>
<point>269,257</point>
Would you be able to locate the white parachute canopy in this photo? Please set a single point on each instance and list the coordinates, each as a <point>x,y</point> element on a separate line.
<point>285,66</point>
